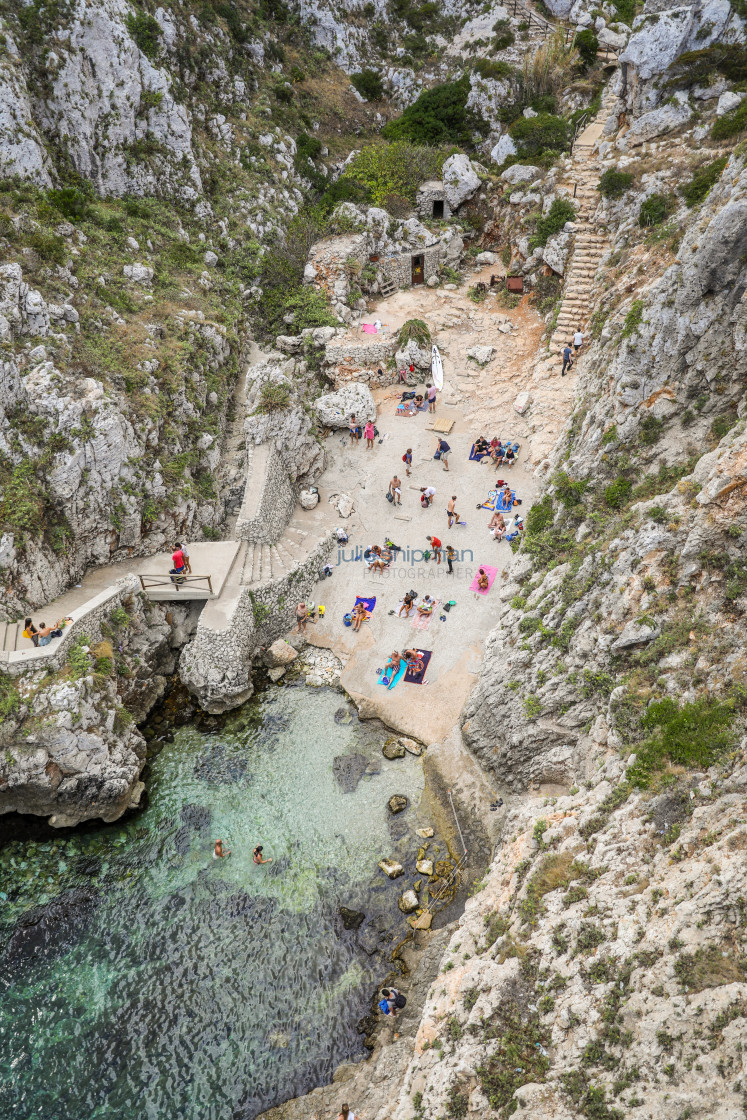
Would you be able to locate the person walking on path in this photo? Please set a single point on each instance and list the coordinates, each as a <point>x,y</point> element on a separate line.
<point>407,460</point>
<point>451,511</point>
<point>427,494</point>
<point>436,546</point>
<point>185,554</point>
<point>355,432</point>
<point>444,450</point>
<point>567,359</point>
<point>431,393</point>
<point>578,339</point>
<point>395,489</point>
<point>450,558</point>
<point>302,617</point>
<point>369,432</point>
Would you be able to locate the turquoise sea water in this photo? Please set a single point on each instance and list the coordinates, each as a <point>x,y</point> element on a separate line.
<point>175,985</point>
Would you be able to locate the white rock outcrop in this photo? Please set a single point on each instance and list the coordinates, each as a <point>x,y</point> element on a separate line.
<point>335,409</point>
<point>460,179</point>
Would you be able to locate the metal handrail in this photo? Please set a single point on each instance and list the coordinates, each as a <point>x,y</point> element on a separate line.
<point>161,581</point>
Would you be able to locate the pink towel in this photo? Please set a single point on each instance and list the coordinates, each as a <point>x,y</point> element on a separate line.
<point>423,621</point>
<point>491,573</point>
<point>368,328</point>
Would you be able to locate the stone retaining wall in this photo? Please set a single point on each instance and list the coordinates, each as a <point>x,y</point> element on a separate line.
<point>86,620</point>
<point>359,360</point>
<point>216,666</point>
<point>275,504</point>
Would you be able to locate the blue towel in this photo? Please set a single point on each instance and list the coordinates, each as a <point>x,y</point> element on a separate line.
<point>397,679</point>
<point>368,602</point>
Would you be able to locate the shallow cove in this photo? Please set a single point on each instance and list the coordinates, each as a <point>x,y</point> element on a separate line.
<point>167,984</point>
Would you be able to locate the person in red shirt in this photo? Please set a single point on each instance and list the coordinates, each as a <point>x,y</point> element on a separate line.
<point>435,547</point>
<point>177,559</point>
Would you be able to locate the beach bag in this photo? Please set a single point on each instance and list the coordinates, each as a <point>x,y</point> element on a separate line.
<point>384,1006</point>
<point>426,555</point>
<point>400,1001</point>
<point>389,496</point>
<point>348,619</point>
<point>437,455</point>
<point>56,634</point>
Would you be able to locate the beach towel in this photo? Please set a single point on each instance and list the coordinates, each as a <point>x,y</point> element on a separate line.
<point>406,408</point>
<point>423,621</point>
<point>369,602</point>
<point>495,501</point>
<point>424,406</point>
<point>419,678</point>
<point>501,505</point>
<point>399,607</point>
<point>492,498</point>
<point>476,456</point>
<point>491,573</point>
<point>368,328</point>
<point>386,681</point>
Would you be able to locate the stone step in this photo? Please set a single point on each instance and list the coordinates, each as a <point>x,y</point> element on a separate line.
<point>10,634</point>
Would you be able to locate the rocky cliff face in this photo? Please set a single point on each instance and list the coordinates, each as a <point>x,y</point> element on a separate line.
<point>70,748</point>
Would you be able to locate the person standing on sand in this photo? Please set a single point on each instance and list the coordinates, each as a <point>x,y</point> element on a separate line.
<point>302,617</point>
<point>355,432</point>
<point>407,460</point>
<point>444,450</point>
<point>431,394</point>
<point>451,512</point>
<point>395,489</point>
<point>435,544</point>
<point>369,432</point>
<point>450,558</point>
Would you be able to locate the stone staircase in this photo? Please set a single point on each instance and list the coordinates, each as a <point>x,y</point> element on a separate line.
<point>590,242</point>
<point>266,563</point>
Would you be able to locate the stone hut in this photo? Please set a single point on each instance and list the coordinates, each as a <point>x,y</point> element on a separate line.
<point>431,201</point>
<point>412,267</point>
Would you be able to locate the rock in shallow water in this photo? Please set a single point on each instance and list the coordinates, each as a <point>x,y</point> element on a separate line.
<point>351,919</point>
<point>393,749</point>
<point>424,866</point>
<point>397,803</point>
<point>46,930</point>
<point>348,770</point>
<point>408,902</point>
<point>391,868</point>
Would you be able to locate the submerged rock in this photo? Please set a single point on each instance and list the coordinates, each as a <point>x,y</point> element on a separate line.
<point>351,919</point>
<point>391,868</point>
<point>343,715</point>
<point>348,770</point>
<point>197,817</point>
<point>47,930</point>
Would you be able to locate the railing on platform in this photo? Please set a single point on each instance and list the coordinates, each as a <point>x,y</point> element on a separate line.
<point>150,581</point>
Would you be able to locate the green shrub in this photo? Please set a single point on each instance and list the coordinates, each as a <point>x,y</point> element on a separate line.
<point>146,32</point>
<point>632,319</point>
<point>694,735</point>
<point>702,181</point>
<point>650,430</point>
<point>48,245</point>
<point>369,84</point>
<point>626,10</point>
<point>731,124</point>
<point>70,202</point>
<point>569,491</point>
<point>397,168</point>
<point>537,134</point>
<point>698,67</point>
<point>587,45</point>
<point>614,184</point>
<point>273,396</point>
<point>9,699</point>
<point>618,492</point>
<point>560,212</point>
<point>540,516</point>
<point>415,330</point>
<point>504,37</point>
<point>439,116</point>
<point>308,147</point>
<point>22,500</point>
<point>494,68</point>
<point>655,209</point>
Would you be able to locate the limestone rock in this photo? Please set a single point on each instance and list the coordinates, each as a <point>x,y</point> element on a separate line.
<point>411,746</point>
<point>276,674</point>
<point>485,258</point>
<point>397,803</point>
<point>139,273</point>
<point>481,354</point>
<point>210,258</point>
<point>280,653</point>
<point>391,868</point>
<point>522,402</point>
<point>460,179</point>
<point>343,503</point>
<point>335,409</point>
<point>22,151</point>
<point>308,499</point>
<point>555,252</point>
<point>658,121</point>
<point>425,833</point>
<point>393,749</point>
<point>412,354</point>
<point>728,101</point>
<point>408,902</point>
<point>635,634</point>
<point>424,866</point>
<point>520,173</point>
<point>503,149</point>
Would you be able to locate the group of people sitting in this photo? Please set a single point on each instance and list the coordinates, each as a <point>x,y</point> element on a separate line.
<point>502,454</point>
<point>378,558</point>
<point>423,609</point>
<point>42,634</point>
<point>411,657</point>
<point>499,530</point>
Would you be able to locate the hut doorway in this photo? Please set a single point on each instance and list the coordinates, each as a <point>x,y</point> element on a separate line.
<point>418,269</point>
<point>438,208</point>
